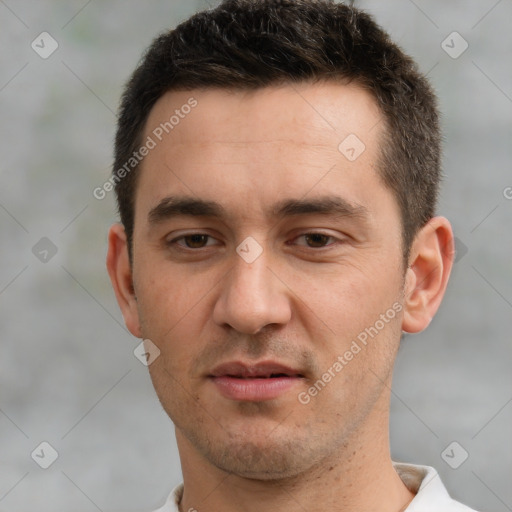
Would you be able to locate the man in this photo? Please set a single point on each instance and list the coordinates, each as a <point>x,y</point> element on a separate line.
<point>276,170</point>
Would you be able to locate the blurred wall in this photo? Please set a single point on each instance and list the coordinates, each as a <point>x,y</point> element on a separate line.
<point>68,373</point>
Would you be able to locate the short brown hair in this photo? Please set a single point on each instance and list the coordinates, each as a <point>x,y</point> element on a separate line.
<point>250,44</point>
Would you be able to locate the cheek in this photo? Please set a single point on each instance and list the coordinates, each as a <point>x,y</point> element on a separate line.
<point>166,294</point>
<point>174,310</point>
<point>347,297</point>
<point>352,314</point>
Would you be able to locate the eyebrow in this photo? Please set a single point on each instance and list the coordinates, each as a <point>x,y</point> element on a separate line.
<point>328,205</point>
<point>174,206</point>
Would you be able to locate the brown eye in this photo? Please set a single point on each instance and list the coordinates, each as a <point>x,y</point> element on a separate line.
<point>317,239</point>
<point>196,241</point>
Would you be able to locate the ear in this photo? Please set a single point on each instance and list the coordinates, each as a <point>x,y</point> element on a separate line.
<point>120,272</point>
<point>430,264</point>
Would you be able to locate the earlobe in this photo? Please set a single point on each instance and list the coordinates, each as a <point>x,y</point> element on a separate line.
<point>430,264</point>
<point>120,272</point>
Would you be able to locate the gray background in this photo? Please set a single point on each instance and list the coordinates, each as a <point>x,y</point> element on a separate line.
<point>67,370</point>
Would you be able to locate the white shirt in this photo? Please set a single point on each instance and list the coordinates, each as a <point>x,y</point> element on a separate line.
<point>431,494</point>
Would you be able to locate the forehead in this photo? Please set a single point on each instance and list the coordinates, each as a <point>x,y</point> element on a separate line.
<point>306,111</point>
<point>256,144</point>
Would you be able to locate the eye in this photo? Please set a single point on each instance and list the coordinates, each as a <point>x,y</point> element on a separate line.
<point>194,241</point>
<point>315,240</point>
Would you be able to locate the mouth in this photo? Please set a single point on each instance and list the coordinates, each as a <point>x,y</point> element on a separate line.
<point>258,382</point>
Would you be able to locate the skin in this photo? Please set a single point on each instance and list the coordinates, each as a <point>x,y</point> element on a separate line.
<point>301,302</point>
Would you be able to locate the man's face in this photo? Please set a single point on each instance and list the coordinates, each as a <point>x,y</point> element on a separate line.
<point>262,252</point>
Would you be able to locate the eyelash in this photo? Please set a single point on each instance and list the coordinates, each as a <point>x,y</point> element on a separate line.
<point>183,237</point>
<point>317,233</point>
<point>333,239</point>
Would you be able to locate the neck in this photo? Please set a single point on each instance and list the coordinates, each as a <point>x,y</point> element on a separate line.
<point>357,477</point>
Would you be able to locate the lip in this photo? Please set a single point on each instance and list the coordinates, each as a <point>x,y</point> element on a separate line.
<point>258,382</point>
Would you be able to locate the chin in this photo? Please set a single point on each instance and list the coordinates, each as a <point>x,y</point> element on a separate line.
<point>258,456</point>
<point>257,462</point>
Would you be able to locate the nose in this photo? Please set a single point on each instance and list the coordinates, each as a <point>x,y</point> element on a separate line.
<point>252,297</point>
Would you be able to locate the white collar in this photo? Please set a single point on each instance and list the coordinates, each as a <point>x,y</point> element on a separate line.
<point>424,481</point>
